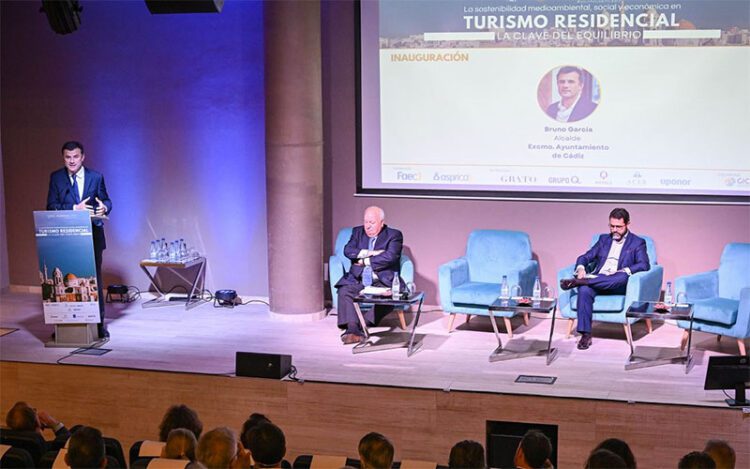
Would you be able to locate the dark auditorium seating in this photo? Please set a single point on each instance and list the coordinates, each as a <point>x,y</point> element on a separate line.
<point>159,463</point>
<point>304,461</point>
<point>32,442</point>
<point>137,450</point>
<point>48,460</point>
<point>15,458</point>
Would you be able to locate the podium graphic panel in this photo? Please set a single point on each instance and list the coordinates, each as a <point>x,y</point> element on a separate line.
<point>67,270</point>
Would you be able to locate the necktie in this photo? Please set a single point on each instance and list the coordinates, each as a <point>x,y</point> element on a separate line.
<point>371,246</point>
<point>76,196</point>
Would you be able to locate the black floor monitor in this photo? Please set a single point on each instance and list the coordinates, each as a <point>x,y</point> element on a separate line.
<point>731,372</point>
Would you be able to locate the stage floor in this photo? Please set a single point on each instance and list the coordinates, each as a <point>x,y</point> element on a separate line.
<point>204,340</point>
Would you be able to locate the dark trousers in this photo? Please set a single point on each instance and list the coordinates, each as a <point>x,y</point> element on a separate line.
<point>614,284</point>
<point>347,315</point>
<point>100,285</point>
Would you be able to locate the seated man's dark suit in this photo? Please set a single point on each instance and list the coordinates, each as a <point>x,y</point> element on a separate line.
<point>60,197</point>
<point>384,266</point>
<point>633,256</point>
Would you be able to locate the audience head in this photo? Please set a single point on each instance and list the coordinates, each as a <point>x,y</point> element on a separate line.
<point>621,449</point>
<point>22,417</point>
<point>180,416</point>
<point>534,450</point>
<point>267,445</point>
<point>86,449</point>
<point>696,460</point>
<point>721,453</point>
<point>217,448</point>
<point>467,454</point>
<point>181,444</point>
<point>253,421</point>
<point>375,451</point>
<point>604,459</point>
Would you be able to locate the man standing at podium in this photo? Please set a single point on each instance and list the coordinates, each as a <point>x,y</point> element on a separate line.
<point>77,188</point>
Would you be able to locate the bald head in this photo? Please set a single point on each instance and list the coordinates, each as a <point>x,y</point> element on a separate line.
<point>22,417</point>
<point>374,220</point>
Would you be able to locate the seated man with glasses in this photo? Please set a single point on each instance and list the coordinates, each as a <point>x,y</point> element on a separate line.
<point>605,268</point>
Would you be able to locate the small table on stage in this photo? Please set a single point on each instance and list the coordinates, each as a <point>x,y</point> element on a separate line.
<point>190,301</point>
<point>646,310</point>
<point>367,345</point>
<point>544,305</point>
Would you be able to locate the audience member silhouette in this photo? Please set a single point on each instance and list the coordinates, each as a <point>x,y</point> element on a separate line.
<point>253,421</point>
<point>696,460</point>
<point>181,444</point>
<point>267,445</point>
<point>722,454</point>
<point>375,452</point>
<point>621,449</point>
<point>23,417</point>
<point>604,459</point>
<point>467,454</point>
<point>220,449</point>
<point>533,451</point>
<point>180,416</point>
<point>86,449</point>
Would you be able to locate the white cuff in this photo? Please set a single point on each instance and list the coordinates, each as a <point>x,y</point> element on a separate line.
<point>363,253</point>
<point>580,267</point>
<point>57,427</point>
<point>627,271</point>
<point>367,261</point>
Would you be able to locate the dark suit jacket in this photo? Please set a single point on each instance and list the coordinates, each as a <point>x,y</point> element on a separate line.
<point>583,108</point>
<point>60,197</point>
<point>390,240</point>
<point>633,255</point>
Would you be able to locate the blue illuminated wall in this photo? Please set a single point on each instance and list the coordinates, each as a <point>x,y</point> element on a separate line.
<point>169,107</point>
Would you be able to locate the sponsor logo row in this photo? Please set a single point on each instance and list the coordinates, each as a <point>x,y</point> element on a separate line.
<point>603,177</point>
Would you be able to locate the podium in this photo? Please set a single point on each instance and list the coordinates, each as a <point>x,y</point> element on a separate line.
<point>67,273</point>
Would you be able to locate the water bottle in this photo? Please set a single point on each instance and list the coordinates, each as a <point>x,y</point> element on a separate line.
<point>163,250</point>
<point>536,294</point>
<point>668,297</point>
<point>183,249</point>
<point>395,286</point>
<point>367,276</point>
<point>153,252</point>
<point>504,288</point>
<point>173,250</point>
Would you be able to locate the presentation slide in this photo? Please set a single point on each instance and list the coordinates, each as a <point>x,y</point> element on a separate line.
<point>596,99</point>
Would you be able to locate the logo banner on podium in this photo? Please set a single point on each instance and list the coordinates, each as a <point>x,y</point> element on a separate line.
<point>67,270</point>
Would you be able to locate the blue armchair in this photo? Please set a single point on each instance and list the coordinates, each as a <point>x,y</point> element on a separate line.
<point>721,297</point>
<point>642,286</point>
<point>339,264</point>
<point>469,284</point>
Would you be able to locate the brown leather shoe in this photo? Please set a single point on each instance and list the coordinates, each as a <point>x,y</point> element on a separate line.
<point>349,339</point>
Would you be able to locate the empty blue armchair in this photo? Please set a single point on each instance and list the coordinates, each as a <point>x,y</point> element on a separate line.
<point>469,284</point>
<point>339,264</point>
<point>642,286</point>
<point>721,297</point>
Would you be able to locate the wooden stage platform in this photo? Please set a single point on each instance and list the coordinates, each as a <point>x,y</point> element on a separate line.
<point>444,393</point>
